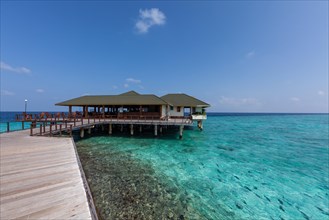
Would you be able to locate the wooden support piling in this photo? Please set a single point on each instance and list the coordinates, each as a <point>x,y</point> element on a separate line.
<point>50,129</point>
<point>70,130</point>
<point>82,132</point>
<point>8,126</point>
<point>110,128</point>
<point>60,130</point>
<point>155,130</point>
<point>31,130</point>
<point>200,125</point>
<point>131,129</point>
<point>22,125</point>
<point>40,129</point>
<point>181,128</point>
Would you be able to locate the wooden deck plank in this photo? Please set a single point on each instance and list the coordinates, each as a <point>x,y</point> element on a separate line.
<point>40,178</point>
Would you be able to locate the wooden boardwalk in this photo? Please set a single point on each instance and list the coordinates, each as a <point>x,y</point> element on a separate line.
<point>40,178</point>
<point>62,126</point>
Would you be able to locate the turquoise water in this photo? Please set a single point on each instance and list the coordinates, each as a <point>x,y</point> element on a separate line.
<point>13,125</point>
<point>239,167</point>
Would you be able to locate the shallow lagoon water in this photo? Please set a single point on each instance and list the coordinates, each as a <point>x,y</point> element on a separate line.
<point>239,167</point>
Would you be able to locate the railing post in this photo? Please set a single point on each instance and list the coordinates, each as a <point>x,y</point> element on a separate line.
<point>31,130</point>
<point>40,129</point>
<point>60,130</point>
<point>55,125</point>
<point>8,126</point>
<point>70,130</point>
<point>82,121</point>
<point>88,119</point>
<point>74,120</point>
<point>44,127</point>
<point>22,125</point>
<point>50,129</point>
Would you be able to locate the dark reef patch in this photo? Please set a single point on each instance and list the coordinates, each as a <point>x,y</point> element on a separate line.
<point>126,188</point>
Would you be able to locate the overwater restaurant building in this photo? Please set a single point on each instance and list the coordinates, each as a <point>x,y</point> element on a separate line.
<point>134,105</point>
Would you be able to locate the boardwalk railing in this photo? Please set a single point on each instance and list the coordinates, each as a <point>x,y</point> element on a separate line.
<point>50,126</point>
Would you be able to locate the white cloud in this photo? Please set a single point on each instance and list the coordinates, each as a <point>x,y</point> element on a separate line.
<point>149,18</point>
<point>131,80</point>
<point>6,67</point>
<point>114,87</point>
<point>239,101</point>
<point>126,85</point>
<point>7,93</point>
<point>251,54</point>
<point>320,92</point>
<point>40,90</point>
<point>295,99</point>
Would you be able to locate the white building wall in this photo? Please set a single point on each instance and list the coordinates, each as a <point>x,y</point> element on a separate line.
<point>163,110</point>
<point>175,113</point>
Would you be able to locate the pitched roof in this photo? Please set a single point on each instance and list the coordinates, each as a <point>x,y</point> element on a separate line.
<point>132,92</point>
<point>114,100</point>
<point>134,98</point>
<point>181,99</point>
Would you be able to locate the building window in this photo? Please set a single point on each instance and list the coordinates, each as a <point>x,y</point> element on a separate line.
<point>178,109</point>
<point>171,108</point>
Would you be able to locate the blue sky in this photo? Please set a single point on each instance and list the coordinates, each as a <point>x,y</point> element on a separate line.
<point>240,56</point>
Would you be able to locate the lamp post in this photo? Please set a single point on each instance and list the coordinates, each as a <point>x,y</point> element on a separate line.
<point>25,105</point>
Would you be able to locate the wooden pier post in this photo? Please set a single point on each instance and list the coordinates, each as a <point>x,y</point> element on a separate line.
<point>22,125</point>
<point>40,129</point>
<point>31,130</point>
<point>200,125</point>
<point>110,128</point>
<point>82,132</point>
<point>60,130</point>
<point>50,129</point>
<point>89,130</point>
<point>160,129</point>
<point>181,128</point>
<point>102,126</point>
<point>155,130</point>
<point>131,129</point>
<point>140,129</point>
<point>44,126</point>
<point>70,130</point>
<point>121,128</point>
<point>8,126</point>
